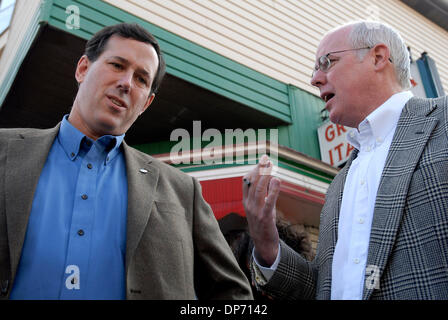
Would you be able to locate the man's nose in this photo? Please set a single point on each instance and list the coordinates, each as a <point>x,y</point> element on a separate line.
<point>318,78</point>
<point>125,81</point>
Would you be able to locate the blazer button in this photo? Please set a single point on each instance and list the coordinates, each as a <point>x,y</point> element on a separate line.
<point>84,197</point>
<point>81,232</point>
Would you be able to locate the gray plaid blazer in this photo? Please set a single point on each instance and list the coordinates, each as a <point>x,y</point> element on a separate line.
<point>408,246</point>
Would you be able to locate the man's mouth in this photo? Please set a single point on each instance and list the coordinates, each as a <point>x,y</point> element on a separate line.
<point>327,97</point>
<point>117,101</point>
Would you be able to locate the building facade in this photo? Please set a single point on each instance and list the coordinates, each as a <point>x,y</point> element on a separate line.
<point>237,84</point>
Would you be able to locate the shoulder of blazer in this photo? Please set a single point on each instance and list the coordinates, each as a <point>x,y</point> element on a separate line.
<point>433,107</point>
<point>21,133</point>
<point>426,106</point>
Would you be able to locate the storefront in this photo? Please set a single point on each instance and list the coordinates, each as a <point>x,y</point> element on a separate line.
<point>259,90</point>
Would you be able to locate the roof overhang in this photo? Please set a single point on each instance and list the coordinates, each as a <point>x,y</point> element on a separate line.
<point>434,10</point>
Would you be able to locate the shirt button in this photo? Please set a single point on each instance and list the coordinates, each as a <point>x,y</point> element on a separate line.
<point>361,220</point>
<point>80,232</point>
<point>379,140</point>
<point>368,149</point>
<point>89,165</point>
<point>84,197</point>
<point>356,260</point>
<point>363,182</point>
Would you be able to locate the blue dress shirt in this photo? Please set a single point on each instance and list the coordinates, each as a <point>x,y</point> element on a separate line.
<point>75,243</point>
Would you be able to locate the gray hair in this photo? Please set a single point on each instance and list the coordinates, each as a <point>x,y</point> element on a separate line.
<point>371,33</point>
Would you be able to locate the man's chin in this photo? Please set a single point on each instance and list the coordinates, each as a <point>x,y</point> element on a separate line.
<point>337,119</point>
<point>109,127</point>
<point>334,118</point>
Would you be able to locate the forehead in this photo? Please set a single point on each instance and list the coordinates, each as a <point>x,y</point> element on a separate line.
<point>334,41</point>
<point>141,54</point>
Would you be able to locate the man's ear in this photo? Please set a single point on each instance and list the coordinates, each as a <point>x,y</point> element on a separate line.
<point>81,68</point>
<point>148,103</point>
<point>382,56</point>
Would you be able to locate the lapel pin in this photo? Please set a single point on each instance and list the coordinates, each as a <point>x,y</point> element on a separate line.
<point>144,171</point>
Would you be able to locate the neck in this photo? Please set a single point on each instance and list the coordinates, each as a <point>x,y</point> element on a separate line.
<point>377,98</point>
<point>77,121</point>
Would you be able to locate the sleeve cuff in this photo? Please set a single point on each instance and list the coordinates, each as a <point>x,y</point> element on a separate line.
<point>267,272</point>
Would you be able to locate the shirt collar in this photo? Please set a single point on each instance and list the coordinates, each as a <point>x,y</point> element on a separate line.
<point>111,145</point>
<point>381,122</point>
<point>71,140</point>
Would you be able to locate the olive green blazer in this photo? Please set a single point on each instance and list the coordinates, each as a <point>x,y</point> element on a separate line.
<point>174,248</point>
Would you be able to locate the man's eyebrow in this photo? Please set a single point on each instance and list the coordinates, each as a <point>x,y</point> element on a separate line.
<point>126,62</point>
<point>121,59</point>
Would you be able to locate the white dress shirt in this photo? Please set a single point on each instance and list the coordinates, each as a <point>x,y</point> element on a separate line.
<point>373,139</point>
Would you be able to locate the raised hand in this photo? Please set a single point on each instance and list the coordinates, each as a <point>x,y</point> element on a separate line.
<point>260,193</point>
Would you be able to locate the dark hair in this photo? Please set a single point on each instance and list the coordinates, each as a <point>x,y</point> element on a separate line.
<point>96,45</point>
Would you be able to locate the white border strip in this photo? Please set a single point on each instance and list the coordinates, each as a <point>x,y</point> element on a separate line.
<point>285,175</point>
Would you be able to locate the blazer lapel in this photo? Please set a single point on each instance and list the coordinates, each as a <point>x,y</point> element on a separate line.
<point>25,159</point>
<point>411,135</point>
<point>142,181</point>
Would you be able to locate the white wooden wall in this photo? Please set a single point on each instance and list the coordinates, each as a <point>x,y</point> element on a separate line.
<point>24,12</point>
<point>279,37</point>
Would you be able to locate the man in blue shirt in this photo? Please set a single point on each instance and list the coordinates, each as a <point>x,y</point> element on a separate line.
<point>85,216</point>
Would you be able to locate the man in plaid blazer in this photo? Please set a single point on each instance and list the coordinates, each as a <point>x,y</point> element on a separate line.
<point>384,226</point>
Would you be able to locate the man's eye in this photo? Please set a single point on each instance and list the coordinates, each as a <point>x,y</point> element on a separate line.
<point>116,65</point>
<point>142,80</point>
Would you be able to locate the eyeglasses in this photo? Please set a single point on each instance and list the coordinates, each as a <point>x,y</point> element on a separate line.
<point>325,63</point>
